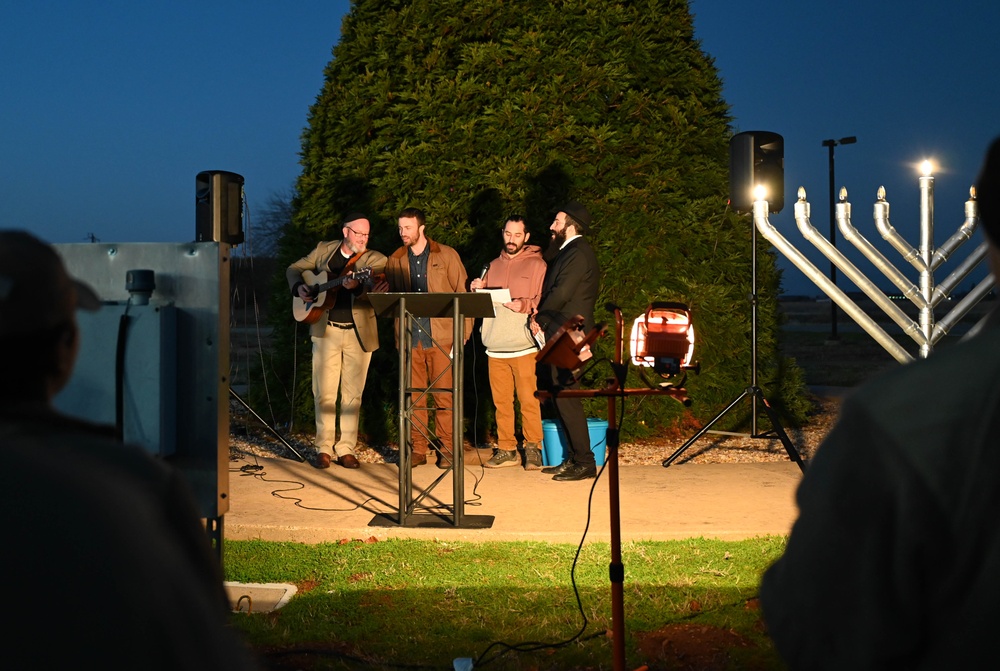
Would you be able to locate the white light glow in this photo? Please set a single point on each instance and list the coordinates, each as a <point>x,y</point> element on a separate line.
<point>661,335</point>
<point>926,168</point>
<point>760,192</point>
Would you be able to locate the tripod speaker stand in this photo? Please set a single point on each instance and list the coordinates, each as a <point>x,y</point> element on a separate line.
<point>267,426</point>
<point>753,391</point>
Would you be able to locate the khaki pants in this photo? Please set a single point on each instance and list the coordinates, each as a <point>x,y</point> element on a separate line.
<point>507,377</point>
<point>339,365</point>
<point>425,367</point>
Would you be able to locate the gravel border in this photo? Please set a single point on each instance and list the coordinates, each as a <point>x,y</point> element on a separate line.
<point>247,440</point>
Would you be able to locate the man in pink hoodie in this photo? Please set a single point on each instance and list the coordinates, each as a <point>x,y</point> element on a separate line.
<point>510,347</point>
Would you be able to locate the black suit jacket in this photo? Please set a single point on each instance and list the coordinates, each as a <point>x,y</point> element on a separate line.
<point>571,285</point>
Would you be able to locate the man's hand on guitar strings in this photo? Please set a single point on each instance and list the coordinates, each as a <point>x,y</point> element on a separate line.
<point>306,292</point>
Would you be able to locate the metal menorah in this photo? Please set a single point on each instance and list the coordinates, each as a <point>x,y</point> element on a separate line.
<point>926,295</point>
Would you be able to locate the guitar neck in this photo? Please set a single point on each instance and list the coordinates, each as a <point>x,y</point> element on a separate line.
<point>320,288</point>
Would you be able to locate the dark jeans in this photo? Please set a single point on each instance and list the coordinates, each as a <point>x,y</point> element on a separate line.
<point>569,411</point>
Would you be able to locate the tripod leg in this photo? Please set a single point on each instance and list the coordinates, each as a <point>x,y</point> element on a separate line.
<point>669,460</point>
<point>793,454</point>
<point>265,424</point>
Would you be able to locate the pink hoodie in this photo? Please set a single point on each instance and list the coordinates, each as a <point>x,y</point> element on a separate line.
<point>523,274</point>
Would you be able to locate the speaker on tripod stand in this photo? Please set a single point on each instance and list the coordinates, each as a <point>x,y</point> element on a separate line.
<point>756,161</point>
<point>218,214</point>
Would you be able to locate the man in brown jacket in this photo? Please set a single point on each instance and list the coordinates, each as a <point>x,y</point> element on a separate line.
<point>344,335</point>
<point>423,265</point>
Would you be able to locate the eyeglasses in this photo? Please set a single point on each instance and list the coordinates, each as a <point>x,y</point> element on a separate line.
<point>360,235</point>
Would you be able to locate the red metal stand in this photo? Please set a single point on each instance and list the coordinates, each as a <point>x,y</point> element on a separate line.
<point>615,388</point>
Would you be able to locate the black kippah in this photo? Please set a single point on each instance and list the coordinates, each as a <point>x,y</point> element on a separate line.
<point>353,216</point>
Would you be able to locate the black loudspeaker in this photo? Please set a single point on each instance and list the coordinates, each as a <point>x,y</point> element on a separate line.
<point>756,157</point>
<point>218,207</point>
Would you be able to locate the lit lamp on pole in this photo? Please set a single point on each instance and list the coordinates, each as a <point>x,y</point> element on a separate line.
<point>830,144</point>
<point>662,339</point>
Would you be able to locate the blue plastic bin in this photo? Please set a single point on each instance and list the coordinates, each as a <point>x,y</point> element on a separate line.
<point>555,446</point>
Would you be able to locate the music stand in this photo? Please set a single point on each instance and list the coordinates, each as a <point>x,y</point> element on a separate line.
<point>457,307</point>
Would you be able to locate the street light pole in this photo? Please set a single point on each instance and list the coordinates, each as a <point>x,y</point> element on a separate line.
<point>830,144</point>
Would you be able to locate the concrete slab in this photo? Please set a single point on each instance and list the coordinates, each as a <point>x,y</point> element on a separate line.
<point>286,500</point>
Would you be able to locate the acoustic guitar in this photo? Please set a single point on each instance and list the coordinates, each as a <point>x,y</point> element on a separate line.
<point>311,311</point>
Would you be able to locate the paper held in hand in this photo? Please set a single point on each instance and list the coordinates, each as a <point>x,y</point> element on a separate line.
<point>496,295</point>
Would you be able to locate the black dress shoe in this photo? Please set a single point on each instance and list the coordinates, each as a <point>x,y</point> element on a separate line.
<point>577,472</point>
<point>349,461</point>
<point>323,460</point>
<point>558,469</point>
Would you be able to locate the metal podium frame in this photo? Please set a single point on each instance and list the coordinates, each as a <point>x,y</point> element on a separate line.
<point>457,307</point>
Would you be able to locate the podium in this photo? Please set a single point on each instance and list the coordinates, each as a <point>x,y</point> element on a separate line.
<point>406,307</point>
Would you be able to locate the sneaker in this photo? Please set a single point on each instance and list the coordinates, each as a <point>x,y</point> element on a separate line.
<point>503,458</point>
<point>532,458</point>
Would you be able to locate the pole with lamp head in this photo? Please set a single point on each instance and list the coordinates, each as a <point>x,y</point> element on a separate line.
<point>666,345</point>
<point>830,144</point>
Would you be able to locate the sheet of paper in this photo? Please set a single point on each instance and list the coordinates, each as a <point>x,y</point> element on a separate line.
<point>497,295</point>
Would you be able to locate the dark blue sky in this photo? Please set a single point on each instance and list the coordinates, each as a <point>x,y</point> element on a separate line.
<point>108,110</point>
<point>910,79</point>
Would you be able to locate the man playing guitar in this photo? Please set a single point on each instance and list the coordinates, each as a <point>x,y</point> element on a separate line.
<point>343,329</point>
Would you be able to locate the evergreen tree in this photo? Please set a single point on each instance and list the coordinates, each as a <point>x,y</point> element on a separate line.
<point>475,109</point>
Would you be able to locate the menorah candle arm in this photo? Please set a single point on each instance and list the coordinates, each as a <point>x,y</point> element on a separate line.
<point>964,232</point>
<point>910,254</point>
<point>760,217</point>
<point>852,272</point>
<point>851,234</point>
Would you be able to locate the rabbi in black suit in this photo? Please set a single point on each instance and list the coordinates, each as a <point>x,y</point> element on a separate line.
<point>570,289</point>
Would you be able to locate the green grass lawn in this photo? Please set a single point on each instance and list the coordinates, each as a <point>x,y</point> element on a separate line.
<point>421,604</point>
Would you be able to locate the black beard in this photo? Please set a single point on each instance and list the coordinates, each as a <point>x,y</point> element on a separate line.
<point>557,240</point>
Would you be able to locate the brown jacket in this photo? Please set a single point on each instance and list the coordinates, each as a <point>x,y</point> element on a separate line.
<point>318,260</point>
<point>445,274</point>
